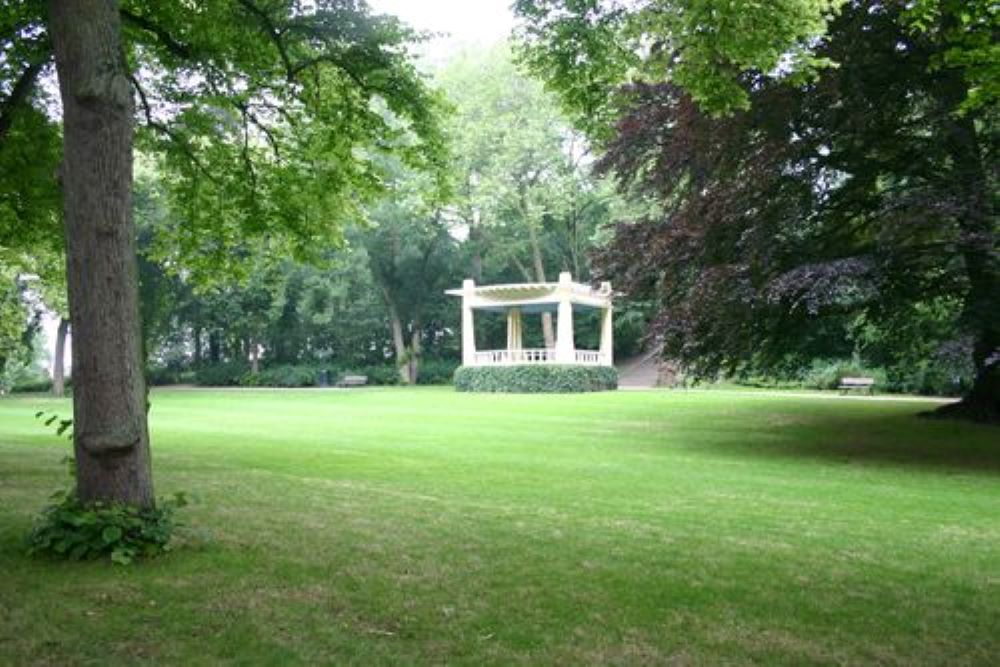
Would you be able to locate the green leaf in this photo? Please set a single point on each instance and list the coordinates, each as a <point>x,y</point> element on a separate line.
<point>121,557</point>
<point>112,534</point>
<point>79,551</point>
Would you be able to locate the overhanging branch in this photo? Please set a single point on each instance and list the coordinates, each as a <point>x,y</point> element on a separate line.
<point>165,38</point>
<point>18,94</point>
<point>166,131</point>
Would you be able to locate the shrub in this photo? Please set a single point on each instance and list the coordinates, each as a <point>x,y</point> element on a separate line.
<point>283,376</point>
<point>380,375</point>
<point>828,374</point>
<point>226,374</point>
<point>32,386</point>
<point>436,371</point>
<point>24,378</point>
<point>20,376</point>
<point>71,530</point>
<point>158,376</point>
<point>929,378</point>
<point>534,379</point>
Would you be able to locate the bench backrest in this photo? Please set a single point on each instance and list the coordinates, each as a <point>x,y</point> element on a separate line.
<point>354,379</point>
<point>857,382</point>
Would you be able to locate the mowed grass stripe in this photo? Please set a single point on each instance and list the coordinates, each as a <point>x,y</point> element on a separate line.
<point>421,525</point>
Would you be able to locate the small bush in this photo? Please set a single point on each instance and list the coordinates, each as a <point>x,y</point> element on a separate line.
<point>32,386</point>
<point>283,376</point>
<point>159,376</point>
<point>828,374</point>
<point>436,371</point>
<point>227,374</point>
<point>21,376</point>
<point>929,378</point>
<point>534,379</point>
<point>380,375</point>
<point>73,531</point>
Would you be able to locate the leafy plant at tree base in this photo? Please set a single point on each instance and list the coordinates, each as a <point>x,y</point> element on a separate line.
<point>536,379</point>
<point>70,530</point>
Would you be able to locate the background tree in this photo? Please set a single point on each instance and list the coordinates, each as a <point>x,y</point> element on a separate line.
<point>525,192</point>
<point>829,216</point>
<point>411,256</point>
<point>586,49</point>
<point>259,126</point>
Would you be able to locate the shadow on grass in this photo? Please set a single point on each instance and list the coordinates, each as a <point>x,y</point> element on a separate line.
<point>873,438</point>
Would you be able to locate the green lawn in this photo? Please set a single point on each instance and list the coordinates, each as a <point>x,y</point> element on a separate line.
<point>424,526</point>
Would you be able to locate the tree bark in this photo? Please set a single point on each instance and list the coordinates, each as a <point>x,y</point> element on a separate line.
<point>254,357</point>
<point>399,342</point>
<point>413,363</point>
<point>110,433</point>
<point>476,244</point>
<point>196,333</point>
<point>978,242</point>
<point>59,363</point>
<point>536,258</point>
<point>214,347</point>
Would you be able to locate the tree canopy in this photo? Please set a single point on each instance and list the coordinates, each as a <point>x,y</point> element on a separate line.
<point>585,49</point>
<point>852,210</point>
<point>268,120</point>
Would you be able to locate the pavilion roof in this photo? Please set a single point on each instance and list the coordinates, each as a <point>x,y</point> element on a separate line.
<point>533,296</point>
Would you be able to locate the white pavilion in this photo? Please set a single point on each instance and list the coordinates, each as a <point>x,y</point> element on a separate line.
<point>516,300</point>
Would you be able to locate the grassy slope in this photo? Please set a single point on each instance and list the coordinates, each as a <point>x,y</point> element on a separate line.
<point>379,526</point>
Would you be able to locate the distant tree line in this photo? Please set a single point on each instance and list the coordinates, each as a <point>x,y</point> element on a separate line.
<point>518,202</point>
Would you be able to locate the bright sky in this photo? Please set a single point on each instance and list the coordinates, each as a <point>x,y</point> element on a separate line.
<point>464,22</point>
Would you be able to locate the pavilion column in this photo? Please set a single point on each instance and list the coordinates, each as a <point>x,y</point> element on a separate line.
<point>565,346</point>
<point>607,337</point>
<point>514,329</point>
<point>468,324</point>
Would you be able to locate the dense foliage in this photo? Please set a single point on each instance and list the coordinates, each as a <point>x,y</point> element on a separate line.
<point>536,379</point>
<point>523,206</point>
<point>69,529</point>
<point>585,49</point>
<point>850,215</point>
<point>72,530</point>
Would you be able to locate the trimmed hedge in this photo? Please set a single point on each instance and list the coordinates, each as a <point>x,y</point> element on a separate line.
<point>536,379</point>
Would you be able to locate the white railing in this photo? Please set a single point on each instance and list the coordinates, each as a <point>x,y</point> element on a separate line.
<point>535,356</point>
<point>499,357</point>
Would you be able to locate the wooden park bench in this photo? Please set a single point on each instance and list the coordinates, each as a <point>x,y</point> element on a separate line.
<point>353,381</point>
<point>861,384</point>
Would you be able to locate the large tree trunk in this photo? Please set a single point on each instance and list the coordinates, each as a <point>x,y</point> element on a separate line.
<point>254,357</point>
<point>196,333</point>
<point>111,439</point>
<point>59,363</point>
<point>475,240</point>
<point>978,242</point>
<point>413,362</point>
<point>536,258</point>
<point>214,347</point>
<point>399,343</point>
